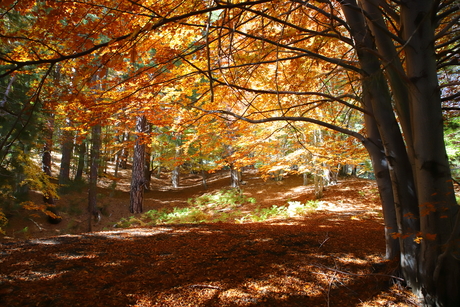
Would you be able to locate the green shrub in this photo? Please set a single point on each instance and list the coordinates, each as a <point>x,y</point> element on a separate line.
<point>186,215</point>
<point>263,214</point>
<point>226,198</point>
<point>218,207</point>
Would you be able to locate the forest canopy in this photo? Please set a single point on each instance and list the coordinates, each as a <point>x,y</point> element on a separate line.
<point>305,86</point>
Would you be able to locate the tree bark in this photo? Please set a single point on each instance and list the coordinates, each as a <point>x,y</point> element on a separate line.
<point>66,151</point>
<point>403,186</point>
<point>147,168</point>
<point>46,166</point>
<point>439,264</point>
<point>138,172</point>
<point>175,177</point>
<point>382,176</point>
<point>93,175</point>
<point>428,216</point>
<point>234,177</point>
<point>175,174</point>
<point>123,157</point>
<point>81,149</point>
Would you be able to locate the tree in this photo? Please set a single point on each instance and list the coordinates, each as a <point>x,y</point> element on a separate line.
<point>93,211</point>
<point>81,149</point>
<point>48,198</point>
<point>422,204</point>
<point>138,170</point>
<point>66,158</point>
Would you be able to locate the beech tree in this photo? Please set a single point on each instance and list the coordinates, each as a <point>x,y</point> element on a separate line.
<point>267,61</point>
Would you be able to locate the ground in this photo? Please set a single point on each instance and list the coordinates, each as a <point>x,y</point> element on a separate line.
<point>332,256</point>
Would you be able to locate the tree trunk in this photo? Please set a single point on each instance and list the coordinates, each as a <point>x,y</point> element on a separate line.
<point>204,179</point>
<point>81,149</point>
<point>123,160</point>
<point>234,177</point>
<point>375,87</point>
<point>93,175</point>
<point>428,216</point>
<point>382,175</point>
<point>305,178</point>
<point>175,177</point>
<point>66,150</point>
<point>46,166</point>
<point>147,168</point>
<point>138,173</point>
<point>439,265</point>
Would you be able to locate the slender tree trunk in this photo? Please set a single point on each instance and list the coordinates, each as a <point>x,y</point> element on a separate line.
<point>46,166</point>
<point>81,149</point>
<point>175,177</point>
<point>123,160</point>
<point>204,179</point>
<point>382,175</point>
<point>234,177</point>
<point>66,150</point>
<point>93,175</point>
<point>138,172</point>
<point>305,178</point>
<point>147,168</point>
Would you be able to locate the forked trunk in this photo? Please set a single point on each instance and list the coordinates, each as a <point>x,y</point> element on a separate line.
<point>439,223</point>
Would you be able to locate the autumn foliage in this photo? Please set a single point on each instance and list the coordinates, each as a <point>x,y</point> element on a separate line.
<point>309,87</point>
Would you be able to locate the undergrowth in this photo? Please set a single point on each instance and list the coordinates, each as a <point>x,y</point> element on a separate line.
<point>221,206</point>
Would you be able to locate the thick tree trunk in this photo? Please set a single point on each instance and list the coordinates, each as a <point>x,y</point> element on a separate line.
<point>439,264</point>
<point>138,173</point>
<point>93,174</point>
<point>403,186</point>
<point>423,191</point>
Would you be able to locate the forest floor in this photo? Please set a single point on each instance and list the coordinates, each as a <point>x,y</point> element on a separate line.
<point>332,256</point>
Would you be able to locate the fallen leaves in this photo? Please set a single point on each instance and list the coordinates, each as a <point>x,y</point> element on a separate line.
<point>327,258</point>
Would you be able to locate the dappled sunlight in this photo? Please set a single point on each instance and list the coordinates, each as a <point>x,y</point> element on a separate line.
<point>222,264</point>
<point>324,256</point>
<point>74,256</point>
<point>133,232</point>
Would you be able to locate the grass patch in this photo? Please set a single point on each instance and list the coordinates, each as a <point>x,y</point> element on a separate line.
<point>218,207</point>
<point>223,199</point>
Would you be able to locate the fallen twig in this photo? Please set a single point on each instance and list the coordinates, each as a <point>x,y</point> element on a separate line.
<point>324,241</point>
<point>206,286</point>
<point>36,224</point>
